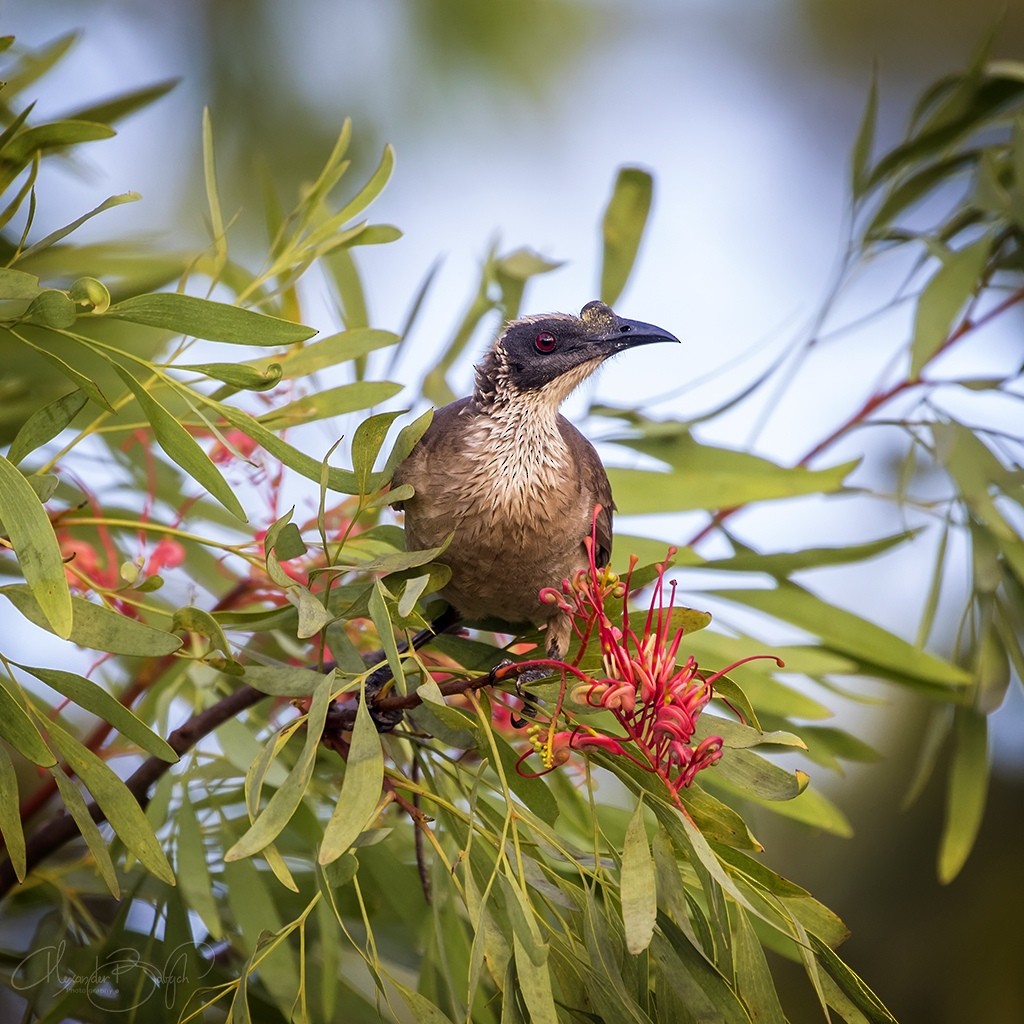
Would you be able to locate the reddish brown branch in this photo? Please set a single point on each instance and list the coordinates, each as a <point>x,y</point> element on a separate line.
<point>875,402</point>
<point>62,827</point>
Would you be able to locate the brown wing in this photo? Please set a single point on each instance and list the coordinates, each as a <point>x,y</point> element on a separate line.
<point>415,469</point>
<point>594,479</point>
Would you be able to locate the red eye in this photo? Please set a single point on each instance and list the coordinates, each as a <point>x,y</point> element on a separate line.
<point>545,342</point>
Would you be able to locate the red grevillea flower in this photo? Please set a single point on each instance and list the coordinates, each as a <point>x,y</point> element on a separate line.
<point>655,695</point>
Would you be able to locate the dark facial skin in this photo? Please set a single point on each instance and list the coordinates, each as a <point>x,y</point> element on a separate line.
<point>540,349</point>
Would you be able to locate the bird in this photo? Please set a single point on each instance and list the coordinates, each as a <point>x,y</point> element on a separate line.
<point>517,487</point>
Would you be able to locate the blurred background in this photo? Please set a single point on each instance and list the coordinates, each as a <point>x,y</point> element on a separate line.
<point>510,120</point>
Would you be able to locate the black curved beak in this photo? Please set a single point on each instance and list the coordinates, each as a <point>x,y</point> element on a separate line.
<point>623,334</point>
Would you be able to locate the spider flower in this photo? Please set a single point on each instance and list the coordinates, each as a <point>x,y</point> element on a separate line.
<point>655,695</point>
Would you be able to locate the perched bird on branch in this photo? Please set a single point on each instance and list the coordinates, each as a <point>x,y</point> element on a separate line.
<point>511,478</point>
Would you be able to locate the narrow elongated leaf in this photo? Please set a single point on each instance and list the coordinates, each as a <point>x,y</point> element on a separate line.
<point>45,424</point>
<point>87,694</point>
<point>181,447</point>
<point>860,156</point>
<point>107,111</point>
<point>534,985</point>
<point>360,788</point>
<point>10,819</point>
<point>99,627</point>
<point>193,868</point>
<point>385,629</point>
<point>330,351</point>
<point>784,563</point>
<point>726,478</point>
<point>966,791</point>
<point>204,318</point>
<point>860,995</point>
<point>333,402</point>
<point>239,375</point>
<point>625,218</point>
<point>55,236</point>
<point>31,535</point>
<point>116,801</point>
<point>637,887</point>
<point>80,380</point>
<point>944,297</point>
<point>285,801</point>
<point>854,636</point>
<point>55,135</point>
<point>19,730</point>
<point>752,774</point>
<point>79,810</point>
<point>283,680</point>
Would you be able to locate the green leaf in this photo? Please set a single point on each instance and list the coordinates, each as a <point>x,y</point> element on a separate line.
<point>204,318</point>
<point>385,629</point>
<point>637,886</point>
<point>52,308</point>
<point>360,788</point>
<point>75,803</point>
<point>534,984</point>
<point>751,774</point>
<point>943,298</point>
<point>966,791</point>
<point>625,218</point>
<point>239,375</point>
<point>283,680</point>
<point>99,627</point>
<point>843,631</point>
<point>366,445</point>
<point>19,730</point>
<point>860,157</point>
<point>55,236</point>
<point>16,284</point>
<point>10,819</point>
<point>181,447</point>
<point>31,535</point>
<point>333,402</point>
<point>784,563</point>
<point>860,995</point>
<point>330,351</point>
<point>193,869</point>
<point>55,135</point>
<point>123,104</point>
<point>811,807</point>
<point>196,620</point>
<point>116,801</point>
<point>710,478</point>
<point>285,801</point>
<point>80,380</point>
<point>87,694</point>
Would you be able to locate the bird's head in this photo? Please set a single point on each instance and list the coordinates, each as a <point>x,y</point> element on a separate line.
<point>551,353</point>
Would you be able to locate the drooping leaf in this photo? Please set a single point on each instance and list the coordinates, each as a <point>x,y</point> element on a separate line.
<point>79,810</point>
<point>91,696</point>
<point>116,801</point>
<point>637,885</point>
<point>333,402</point>
<point>966,791</point>
<point>98,627</point>
<point>360,788</point>
<point>944,297</point>
<point>849,634</point>
<point>625,218</point>
<point>31,535</point>
<point>181,447</point>
<point>10,819</point>
<point>285,801</point>
<point>204,318</point>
